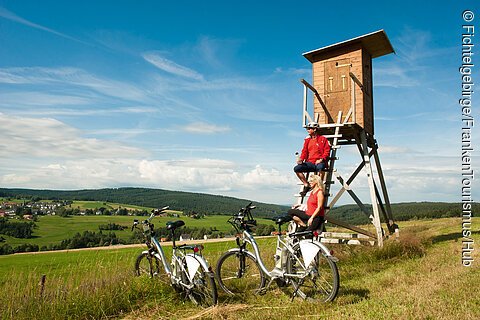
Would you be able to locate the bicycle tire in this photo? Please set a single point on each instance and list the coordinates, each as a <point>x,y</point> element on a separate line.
<point>321,281</point>
<point>146,264</point>
<point>204,290</point>
<point>232,280</point>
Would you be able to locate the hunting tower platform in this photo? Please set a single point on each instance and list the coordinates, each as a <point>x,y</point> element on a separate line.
<point>343,106</point>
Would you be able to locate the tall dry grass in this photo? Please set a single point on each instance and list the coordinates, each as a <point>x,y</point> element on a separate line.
<point>418,277</point>
<point>98,294</point>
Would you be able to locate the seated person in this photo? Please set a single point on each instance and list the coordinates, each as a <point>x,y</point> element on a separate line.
<point>314,215</point>
<point>314,155</point>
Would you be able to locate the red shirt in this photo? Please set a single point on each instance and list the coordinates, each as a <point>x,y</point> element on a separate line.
<point>315,148</point>
<point>312,204</point>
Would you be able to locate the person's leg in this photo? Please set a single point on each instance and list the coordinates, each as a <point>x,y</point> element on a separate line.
<point>319,167</point>
<point>299,170</point>
<point>302,178</point>
<point>296,216</point>
<point>316,223</point>
<point>299,221</point>
<point>319,170</point>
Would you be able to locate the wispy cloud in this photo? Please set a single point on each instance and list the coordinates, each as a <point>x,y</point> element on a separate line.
<point>415,54</point>
<point>6,14</point>
<point>170,66</point>
<point>205,128</point>
<point>293,71</point>
<point>217,53</point>
<point>22,99</point>
<point>385,149</point>
<point>58,111</point>
<point>68,76</point>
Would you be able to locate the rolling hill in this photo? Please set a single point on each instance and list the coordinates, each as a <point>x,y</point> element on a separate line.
<point>217,204</point>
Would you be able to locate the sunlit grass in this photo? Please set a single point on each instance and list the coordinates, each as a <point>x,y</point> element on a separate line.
<point>418,277</point>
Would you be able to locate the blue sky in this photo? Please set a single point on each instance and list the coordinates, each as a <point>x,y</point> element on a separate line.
<point>204,96</point>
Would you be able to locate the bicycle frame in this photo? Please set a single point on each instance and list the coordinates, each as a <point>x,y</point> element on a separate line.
<point>193,261</point>
<point>309,250</point>
<point>300,261</point>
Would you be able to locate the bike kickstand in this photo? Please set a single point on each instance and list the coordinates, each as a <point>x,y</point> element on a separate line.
<point>294,294</point>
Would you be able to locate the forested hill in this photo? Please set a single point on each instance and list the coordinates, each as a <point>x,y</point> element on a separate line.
<point>216,204</point>
<point>403,211</point>
<point>182,201</point>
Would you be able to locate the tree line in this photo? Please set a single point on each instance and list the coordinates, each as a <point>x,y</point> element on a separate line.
<point>403,211</point>
<point>90,239</point>
<point>22,230</point>
<point>181,201</point>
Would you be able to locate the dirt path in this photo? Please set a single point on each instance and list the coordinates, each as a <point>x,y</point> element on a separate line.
<point>141,245</point>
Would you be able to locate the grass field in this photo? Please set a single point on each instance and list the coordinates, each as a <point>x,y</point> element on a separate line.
<point>418,277</point>
<point>82,205</point>
<point>54,229</point>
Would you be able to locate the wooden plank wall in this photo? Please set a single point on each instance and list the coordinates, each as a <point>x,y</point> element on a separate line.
<point>362,69</point>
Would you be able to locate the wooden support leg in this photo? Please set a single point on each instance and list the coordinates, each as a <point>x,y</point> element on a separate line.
<point>389,221</point>
<point>371,184</point>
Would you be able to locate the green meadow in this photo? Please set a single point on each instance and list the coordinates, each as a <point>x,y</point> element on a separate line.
<point>420,276</point>
<point>54,229</point>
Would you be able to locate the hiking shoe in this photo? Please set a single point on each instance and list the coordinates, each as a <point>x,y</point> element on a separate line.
<point>303,193</point>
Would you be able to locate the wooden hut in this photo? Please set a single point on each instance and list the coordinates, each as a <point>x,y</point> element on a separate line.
<point>342,77</point>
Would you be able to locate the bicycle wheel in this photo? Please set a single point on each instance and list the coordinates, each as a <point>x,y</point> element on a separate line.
<point>239,273</point>
<point>203,290</point>
<point>317,281</point>
<point>146,265</point>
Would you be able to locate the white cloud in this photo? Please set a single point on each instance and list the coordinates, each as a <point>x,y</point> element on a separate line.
<point>170,66</point>
<point>50,138</point>
<point>4,13</point>
<point>216,52</point>
<point>385,149</point>
<point>413,64</point>
<point>195,175</point>
<point>294,71</point>
<point>71,80</point>
<point>21,99</point>
<point>51,112</point>
<point>205,128</point>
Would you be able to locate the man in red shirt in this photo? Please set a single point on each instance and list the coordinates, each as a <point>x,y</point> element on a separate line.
<point>315,152</point>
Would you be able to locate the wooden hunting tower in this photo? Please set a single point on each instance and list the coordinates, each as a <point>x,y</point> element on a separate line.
<point>342,75</point>
<point>343,107</point>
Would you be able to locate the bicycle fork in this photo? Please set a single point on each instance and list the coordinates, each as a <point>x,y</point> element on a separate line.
<point>241,258</point>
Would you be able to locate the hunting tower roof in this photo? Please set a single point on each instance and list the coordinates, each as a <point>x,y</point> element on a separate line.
<point>375,43</point>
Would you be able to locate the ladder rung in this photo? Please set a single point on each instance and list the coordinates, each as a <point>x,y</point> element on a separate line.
<point>329,182</point>
<point>333,136</point>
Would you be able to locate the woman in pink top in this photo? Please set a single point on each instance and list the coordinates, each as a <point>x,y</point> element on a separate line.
<point>313,216</point>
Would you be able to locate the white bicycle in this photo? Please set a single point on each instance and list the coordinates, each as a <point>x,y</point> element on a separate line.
<point>189,273</point>
<point>300,261</point>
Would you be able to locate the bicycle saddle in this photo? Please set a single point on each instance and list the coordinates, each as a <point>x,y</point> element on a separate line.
<point>175,224</point>
<point>282,219</point>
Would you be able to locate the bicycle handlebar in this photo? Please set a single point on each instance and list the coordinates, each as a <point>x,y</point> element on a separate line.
<point>243,219</point>
<point>152,215</point>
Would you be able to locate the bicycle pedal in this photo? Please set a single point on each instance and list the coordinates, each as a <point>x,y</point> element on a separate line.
<point>261,291</point>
